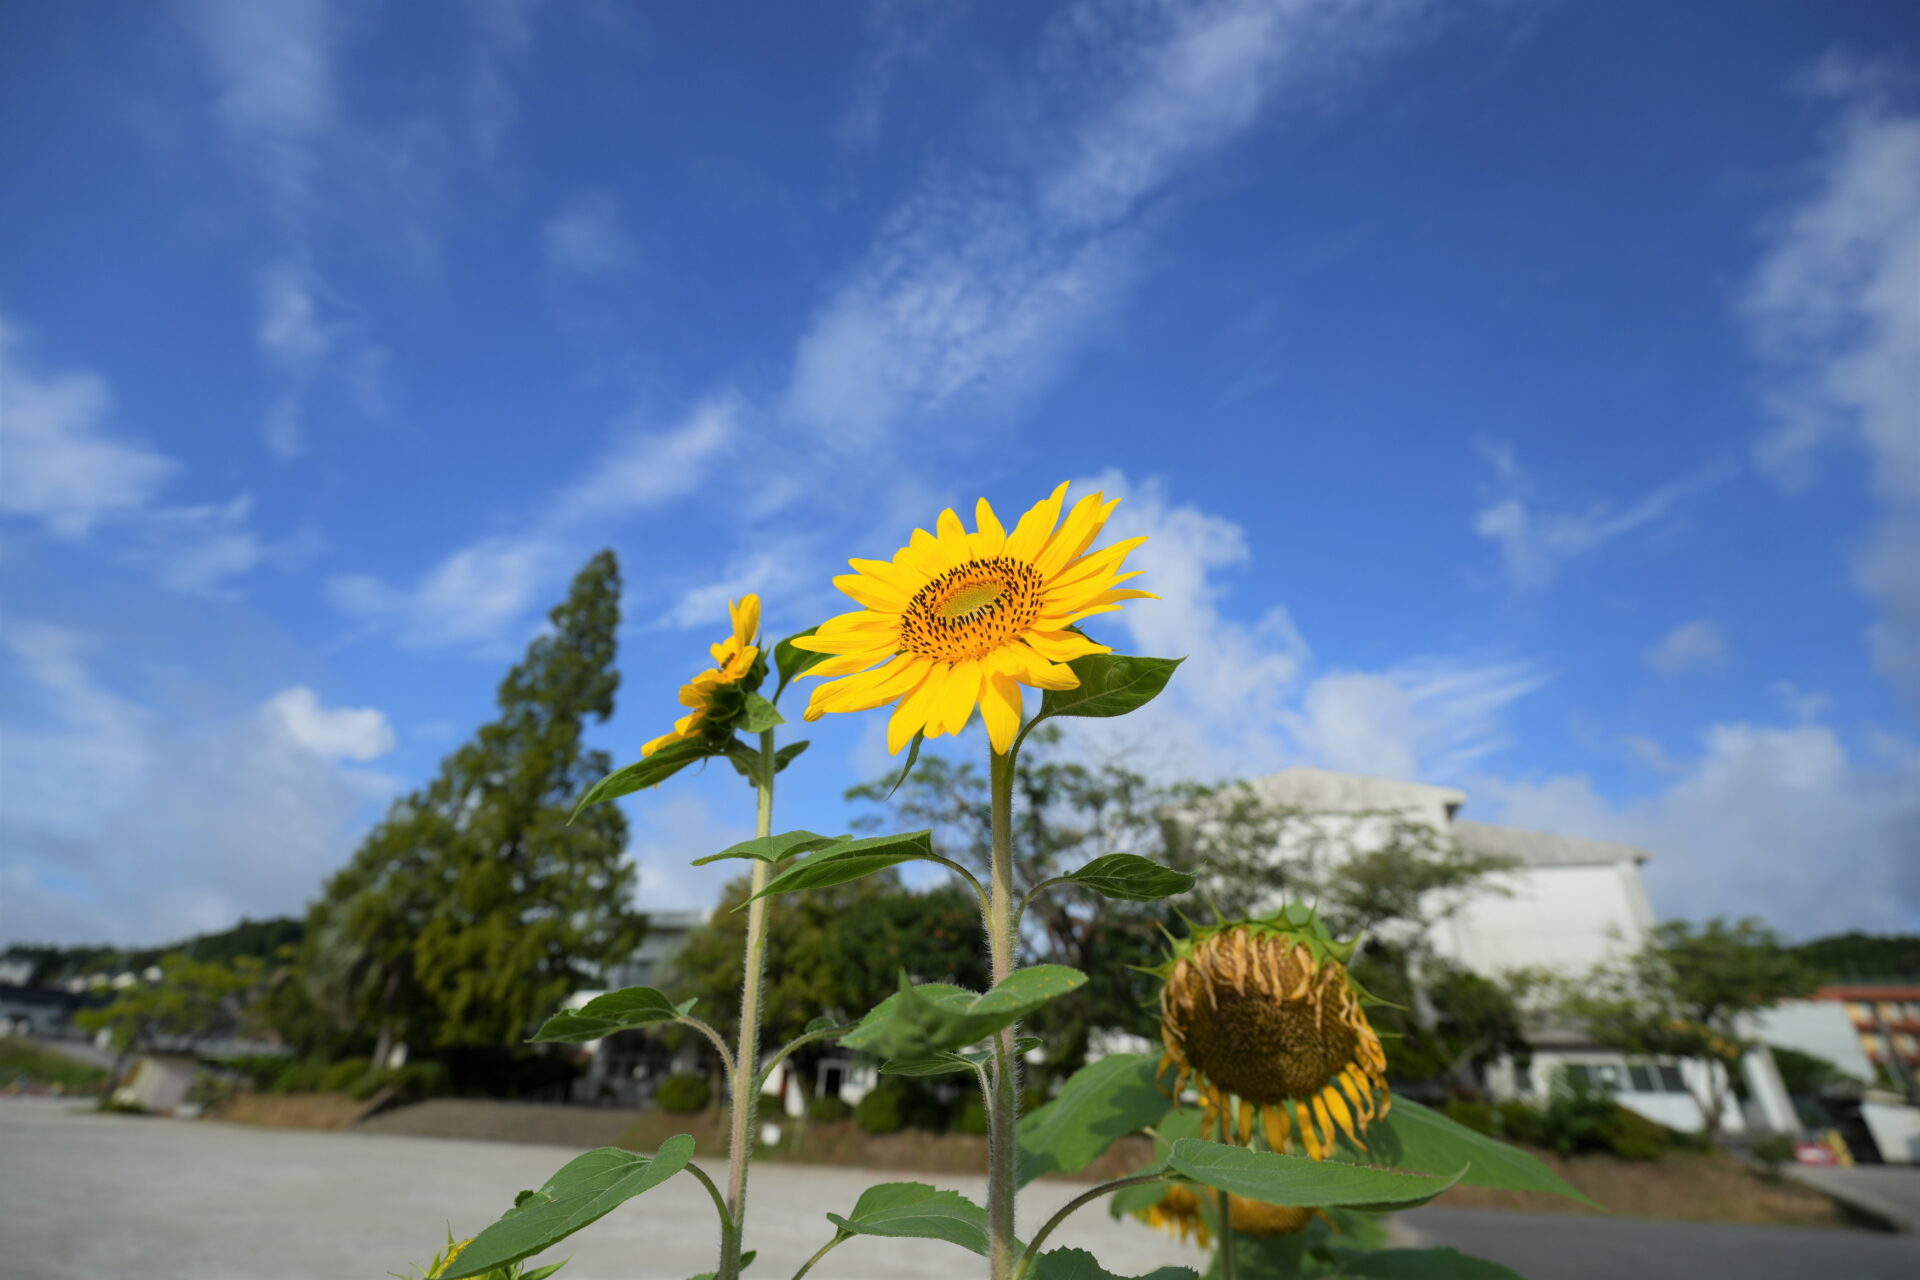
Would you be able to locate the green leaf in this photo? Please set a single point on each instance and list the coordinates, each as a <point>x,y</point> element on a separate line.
<point>621,1010</point>
<point>1078,1264</point>
<point>825,1022</point>
<point>790,661</point>
<point>849,860</point>
<point>774,848</point>
<point>1136,1198</point>
<point>1104,1100</point>
<point>760,715</point>
<point>913,755</point>
<point>918,1022</point>
<point>917,1211</point>
<point>1132,877</point>
<point>586,1189</point>
<point>1415,1137</point>
<point>1418,1264</point>
<point>649,772</point>
<point>1297,1180</point>
<point>541,1273</point>
<point>1111,684</point>
<point>787,754</point>
<point>942,1064</point>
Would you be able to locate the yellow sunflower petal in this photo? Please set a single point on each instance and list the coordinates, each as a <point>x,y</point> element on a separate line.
<point>872,592</point>
<point>958,697</point>
<point>890,574</point>
<point>1062,646</point>
<point>1087,567</point>
<point>1077,531</point>
<point>846,664</point>
<point>910,717</point>
<point>1000,708</point>
<point>991,540</point>
<point>1030,535</point>
<point>746,619</point>
<point>1275,1119</point>
<point>1337,1108</point>
<point>1029,668</point>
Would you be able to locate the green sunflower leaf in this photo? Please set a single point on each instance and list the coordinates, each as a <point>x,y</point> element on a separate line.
<point>921,1021</point>
<point>947,1063</point>
<point>787,754</point>
<point>791,661</point>
<point>649,772</point>
<point>1111,684</point>
<point>1103,1101</point>
<point>849,860</point>
<point>1415,1137</point>
<point>1417,1264</point>
<point>1297,1180</point>
<point>913,756</point>
<point>1078,1264</point>
<point>586,1189</point>
<point>917,1211</point>
<point>621,1010</point>
<point>774,848</point>
<point>760,715</point>
<point>1131,877</point>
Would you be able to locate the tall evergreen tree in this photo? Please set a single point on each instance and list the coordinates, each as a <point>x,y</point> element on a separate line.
<point>475,908</point>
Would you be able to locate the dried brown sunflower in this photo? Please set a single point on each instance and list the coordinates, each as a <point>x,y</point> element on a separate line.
<point>1262,1018</point>
<point>1179,1213</point>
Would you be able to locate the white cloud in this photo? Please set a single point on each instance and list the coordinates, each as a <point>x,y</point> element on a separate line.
<point>586,237</point>
<point>1835,310</point>
<point>978,287</point>
<point>338,733</point>
<point>670,832</point>
<point>905,34</point>
<point>272,64</point>
<point>1776,822</point>
<point>122,823</point>
<point>63,465</point>
<point>477,593</point>
<point>1691,646</point>
<point>1534,543</point>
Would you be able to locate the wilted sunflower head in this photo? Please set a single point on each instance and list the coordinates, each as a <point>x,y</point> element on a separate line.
<point>1261,1017</point>
<point>720,689</point>
<point>1179,1213</point>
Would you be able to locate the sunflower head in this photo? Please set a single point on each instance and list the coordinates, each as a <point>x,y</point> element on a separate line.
<point>1262,1018</point>
<point>717,695</point>
<point>959,620</point>
<point>1180,1213</point>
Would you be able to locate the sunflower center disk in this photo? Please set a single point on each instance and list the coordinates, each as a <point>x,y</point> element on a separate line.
<point>1267,1050</point>
<point>972,609</point>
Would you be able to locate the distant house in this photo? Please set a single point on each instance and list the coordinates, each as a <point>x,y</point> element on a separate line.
<point>624,1070</point>
<point>42,1011</point>
<point>1566,905</point>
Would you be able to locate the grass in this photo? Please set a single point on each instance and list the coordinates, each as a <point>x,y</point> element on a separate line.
<point>23,1062</point>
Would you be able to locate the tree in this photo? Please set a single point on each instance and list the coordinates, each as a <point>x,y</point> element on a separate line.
<point>192,1001</point>
<point>1682,994</point>
<point>475,908</point>
<point>1065,813</point>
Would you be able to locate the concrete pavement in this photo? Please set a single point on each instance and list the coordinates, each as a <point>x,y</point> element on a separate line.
<point>1887,1191</point>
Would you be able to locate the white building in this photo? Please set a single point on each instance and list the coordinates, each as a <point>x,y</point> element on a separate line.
<point>1565,905</point>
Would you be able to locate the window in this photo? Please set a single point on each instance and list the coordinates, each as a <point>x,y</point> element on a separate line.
<point>1604,1076</point>
<point>1656,1077</point>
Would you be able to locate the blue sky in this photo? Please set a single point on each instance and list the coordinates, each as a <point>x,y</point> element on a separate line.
<point>1520,396</point>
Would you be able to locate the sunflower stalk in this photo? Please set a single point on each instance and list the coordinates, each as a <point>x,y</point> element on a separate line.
<point>1003,1107</point>
<point>746,1083</point>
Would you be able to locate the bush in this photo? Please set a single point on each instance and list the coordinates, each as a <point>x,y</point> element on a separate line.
<point>971,1117</point>
<point>1632,1136</point>
<point>682,1095</point>
<point>1477,1116</point>
<point>772,1107</point>
<point>828,1109</point>
<point>882,1111</point>
<point>262,1071</point>
<point>343,1075</point>
<point>1521,1122</point>
<point>1581,1118</point>
<point>301,1077</point>
<point>1772,1150</point>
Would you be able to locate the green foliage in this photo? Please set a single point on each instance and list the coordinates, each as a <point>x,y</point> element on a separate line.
<point>850,860</point>
<point>582,1192</point>
<point>1582,1118</point>
<point>970,1116</point>
<point>1772,1149</point>
<point>789,661</point>
<point>193,1000</point>
<point>1131,877</point>
<point>343,1075</point>
<point>774,848</point>
<point>1103,1101</point>
<point>1477,1116</point>
<point>1520,1122</point>
<point>23,1062</point>
<point>474,908</point>
<point>1078,1264</point>
<point>917,1211</point>
<point>882,1110</point>
<point>829,1109</point>
<point>259,939</point>
<point>1414,1264</point>
<point>1417,1138</point>
<point>301,1077</point>
<point>1807,1075</point>
<point>1860,956</point>
<point>624,1010</point>
<point>924,1019</point>
<point>683,1095</point>
<point>1111,684</point>
<point>1297,1180</point>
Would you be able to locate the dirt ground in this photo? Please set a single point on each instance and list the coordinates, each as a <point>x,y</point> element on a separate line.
<point>1697,1188</point>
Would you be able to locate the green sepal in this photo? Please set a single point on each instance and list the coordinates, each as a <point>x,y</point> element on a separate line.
<point>759,715</point>
<point>622,1010</point>
<point>913,756</point>
<point>586,1188</point>
<point>791,661</point>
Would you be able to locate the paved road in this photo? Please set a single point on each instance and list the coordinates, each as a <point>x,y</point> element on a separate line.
<point>1889,1191</point>
<point>86,1197</point>
<point>1567,1246</point>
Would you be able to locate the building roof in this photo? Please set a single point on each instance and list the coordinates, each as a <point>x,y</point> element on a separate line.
<point>1542,848</point>
<point>1326,789</point>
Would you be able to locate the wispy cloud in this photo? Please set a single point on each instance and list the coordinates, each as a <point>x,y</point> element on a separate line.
<point>1535,540</point>
<point>587,238</point>
<point>1835,311</point>
<point>1691,646</point>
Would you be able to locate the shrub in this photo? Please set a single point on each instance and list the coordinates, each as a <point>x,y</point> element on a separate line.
<point>1576,1115</point>
<point>1632,1136</point>
<point>301,1077</point>
<point>1772,1150</point>
<point>682,1095</point>
<point>1477,1116</point>
<point>971,1117</point>
<point>262,1071</point>
<point>827,1109</point>
<point>882,1111</point>
<point>343,1075</point>
<point>1521,1122</point>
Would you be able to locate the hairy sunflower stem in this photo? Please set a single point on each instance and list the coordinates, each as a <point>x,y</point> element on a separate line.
<point>1003,1110</point>
<point>1229,1264</point>
<point>746,1083</point>
<point>1032,1254</point>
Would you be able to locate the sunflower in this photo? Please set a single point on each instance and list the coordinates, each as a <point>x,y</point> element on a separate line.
<point>734,660</point>
<point>1262,1018</point>
<point>959,620</point>
<point>1179,1213</point>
